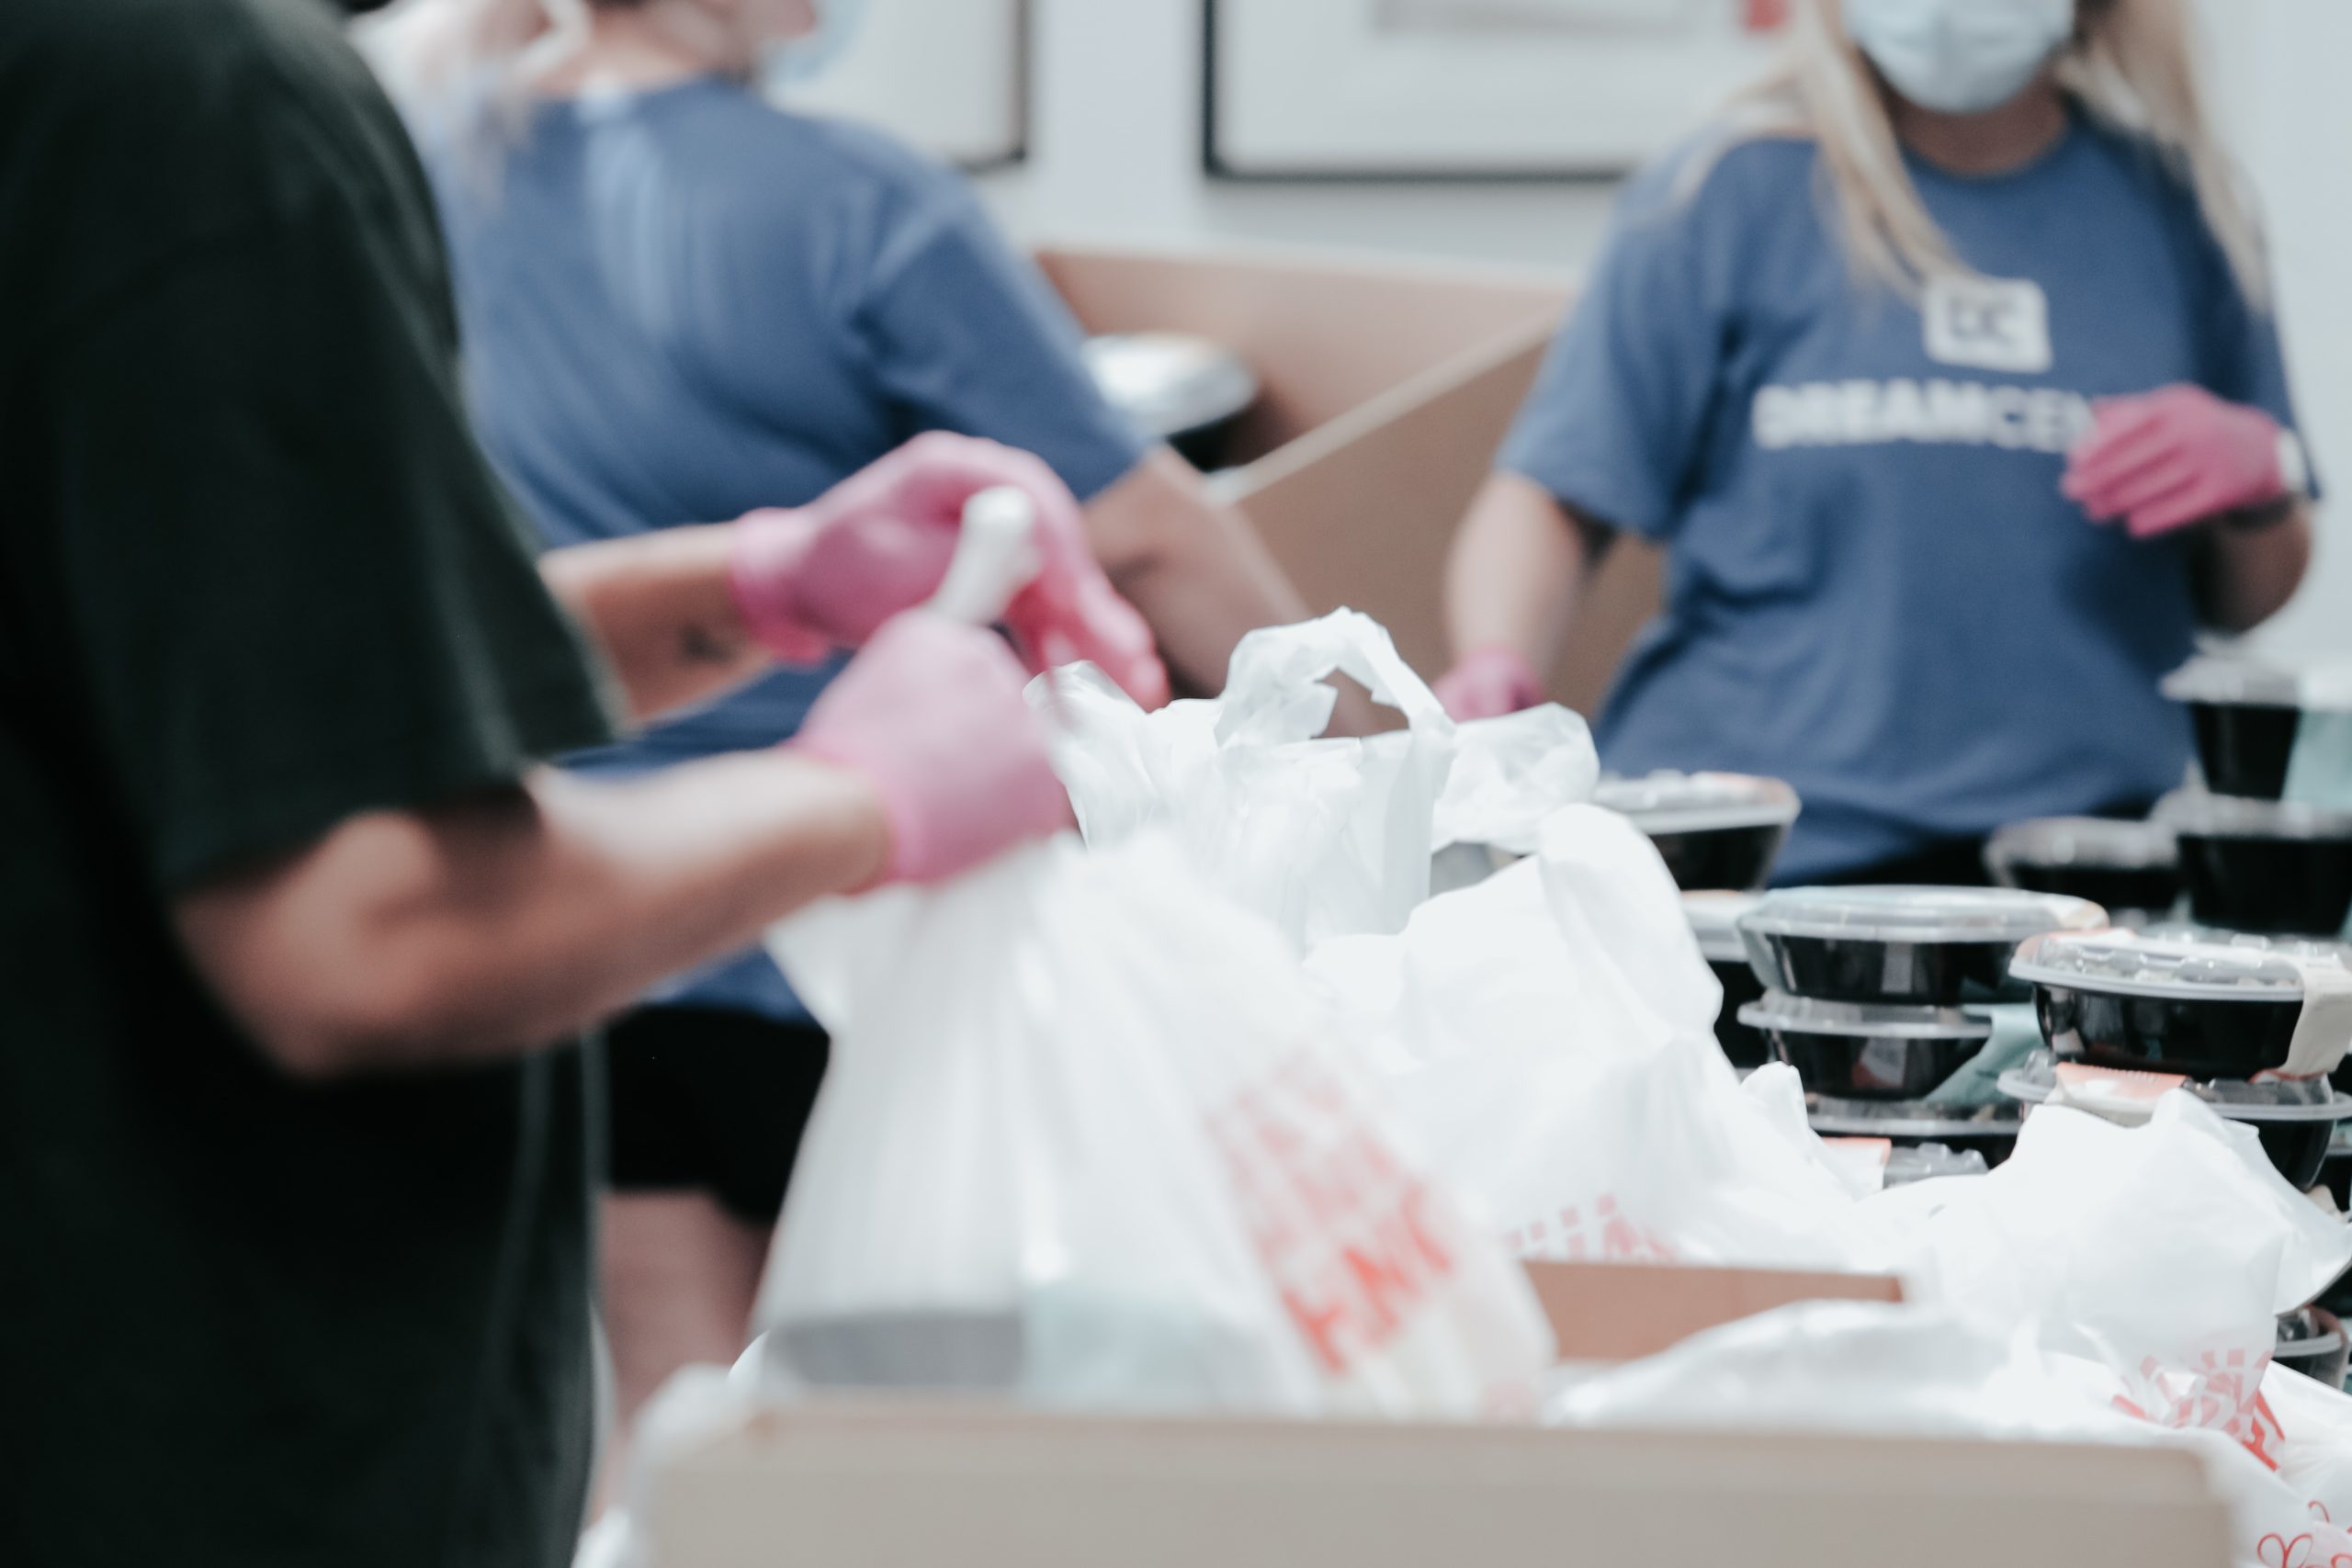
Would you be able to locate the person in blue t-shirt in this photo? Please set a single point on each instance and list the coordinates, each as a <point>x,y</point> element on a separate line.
<point>681,304</point>
<point>1959,408</point>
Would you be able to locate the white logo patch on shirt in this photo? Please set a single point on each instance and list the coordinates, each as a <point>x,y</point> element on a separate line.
<point>1988,325</point>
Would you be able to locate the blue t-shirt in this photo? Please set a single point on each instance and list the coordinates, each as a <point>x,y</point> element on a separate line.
<point>1875,589</point>
<point>684,304</point>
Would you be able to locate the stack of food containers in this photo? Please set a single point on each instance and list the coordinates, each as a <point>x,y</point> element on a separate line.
<point>2252,858</point>
<point>1884,1000</point>
<point>2129,868</point>
<point>1719,834</point>
<point>2253,1028</point>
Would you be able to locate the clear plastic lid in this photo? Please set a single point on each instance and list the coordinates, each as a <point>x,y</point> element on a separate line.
<point>1919,914</point>
<point>1715,920</point>
<point>2246,683</point>
<point>2193,813</point>
<point>1171,382</point>
<point>1868,1021</point>
<point>2096,841</point>
<point>1699,802</point>
<point>2171,967</point>
<point>1834,1118</point>
<point>2035,1080</point>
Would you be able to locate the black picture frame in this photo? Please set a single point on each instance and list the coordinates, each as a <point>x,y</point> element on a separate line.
<point>1024,86</point>
<point>1217,164</point>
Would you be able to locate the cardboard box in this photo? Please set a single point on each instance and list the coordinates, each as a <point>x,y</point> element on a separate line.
<point>892,1485</point>
<point>1621,1311</point>
<point>1387,390</point>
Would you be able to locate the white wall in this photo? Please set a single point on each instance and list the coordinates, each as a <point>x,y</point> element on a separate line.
<point>2288,102</point>
<point>1116,158</point>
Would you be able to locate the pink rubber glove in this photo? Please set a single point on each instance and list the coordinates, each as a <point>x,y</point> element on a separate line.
<point>2171,457</point>
<point>1490,683</point>
<point>932,715</point>
<point>826,575</point>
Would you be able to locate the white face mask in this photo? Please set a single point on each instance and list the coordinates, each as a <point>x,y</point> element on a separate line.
<point>1960,56</point>
<point>798,59</point>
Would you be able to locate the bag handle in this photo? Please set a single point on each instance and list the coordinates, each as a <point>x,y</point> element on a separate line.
<point>1274,690</point>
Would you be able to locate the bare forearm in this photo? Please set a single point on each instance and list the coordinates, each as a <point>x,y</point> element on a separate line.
<point>1193,566</point>
<point>494,926</point>
<point>2249,574</point>
<point>1517,569</point>
<point>659,607</point>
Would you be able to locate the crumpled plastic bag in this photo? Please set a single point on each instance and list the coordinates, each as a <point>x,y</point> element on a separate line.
<point>2315,1450</point>
<point>1874,1367</point>
<point>1548,1035</point>
<point>1084,1142</point>
<point>1513,773</point>
<point>1323,837</point>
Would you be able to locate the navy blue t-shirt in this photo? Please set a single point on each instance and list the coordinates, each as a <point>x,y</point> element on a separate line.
<point>1875,589</point>
<point>684,304</point>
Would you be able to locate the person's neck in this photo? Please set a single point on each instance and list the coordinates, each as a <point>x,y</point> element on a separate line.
<point>1994,142</point>
<point>638,48</point>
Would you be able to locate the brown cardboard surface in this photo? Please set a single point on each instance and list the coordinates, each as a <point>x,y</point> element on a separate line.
<point>888,1486</point>
<point>1386,391</point>
<point>1620,1312</point>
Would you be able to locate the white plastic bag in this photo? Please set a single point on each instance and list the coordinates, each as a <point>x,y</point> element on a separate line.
<point>1874,1367</point>
<point>1510,774</point>
<point>1083,1141</point>
<point>2315,1453</point>
<point>1323,837</point>
<point>2164,1252</point>
<point>1549,1036</point>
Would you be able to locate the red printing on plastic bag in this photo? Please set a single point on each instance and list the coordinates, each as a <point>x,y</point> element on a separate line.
<point>1343,1228</point>
<point>1606,1237</point>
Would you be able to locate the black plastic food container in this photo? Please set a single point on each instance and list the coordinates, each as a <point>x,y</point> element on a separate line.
<point>2271,867</point>
<point>2208,1008</point>
<point>2129,868</point>
<point>2247,718</point>
<point>1714,830</point>
<point>1854,1051</point>
<point>1715,922</point>
<point>1989,1130</point>
<point>1902,946</point>
<point>2294,1119</point>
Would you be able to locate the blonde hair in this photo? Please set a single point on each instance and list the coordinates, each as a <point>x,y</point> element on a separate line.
<point>2130,64</point>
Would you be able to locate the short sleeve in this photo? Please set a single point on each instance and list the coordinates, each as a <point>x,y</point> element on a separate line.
<point>962,333</point>
<point>1613,423</point>
<point>291,590</point>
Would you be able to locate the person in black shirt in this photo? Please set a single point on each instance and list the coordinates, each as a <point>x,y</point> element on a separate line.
<point>294,1238</point>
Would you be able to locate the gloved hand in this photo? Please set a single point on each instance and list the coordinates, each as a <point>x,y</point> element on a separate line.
<point>932,715</point>
<point>2171,457</point>
<point>1490,683</point>
<point>827,574</point>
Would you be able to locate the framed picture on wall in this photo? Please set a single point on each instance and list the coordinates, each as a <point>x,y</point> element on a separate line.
<point>950,76</point>
<point>1467,89</point>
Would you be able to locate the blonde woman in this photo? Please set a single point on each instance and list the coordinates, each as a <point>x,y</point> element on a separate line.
<point>1945,372</point>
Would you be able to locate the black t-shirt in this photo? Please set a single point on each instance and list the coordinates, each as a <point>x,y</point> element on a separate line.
<point>255,578</point>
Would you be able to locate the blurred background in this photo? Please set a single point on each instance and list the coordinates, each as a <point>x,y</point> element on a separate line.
<point>1495,134</point>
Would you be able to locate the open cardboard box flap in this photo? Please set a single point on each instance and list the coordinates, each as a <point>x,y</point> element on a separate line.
<point>1386,391</point>
<point>893,1485</point>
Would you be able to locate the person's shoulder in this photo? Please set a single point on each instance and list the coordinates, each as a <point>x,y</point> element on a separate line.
<point>247,102</point>
<point>847,156</point>
<point>2136,162</point>
<point>191,56</point>
<point>1724,177</point>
